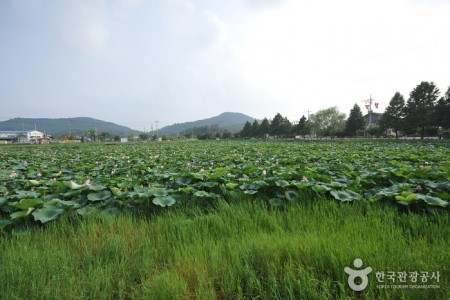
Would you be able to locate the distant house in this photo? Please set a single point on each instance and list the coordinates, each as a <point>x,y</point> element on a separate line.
<point>372,118</point>
<point>43,141</point>
<point>21,136</point>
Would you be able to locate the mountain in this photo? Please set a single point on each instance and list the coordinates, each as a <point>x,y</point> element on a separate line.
<point>65,126</point>
<point>231,121</point>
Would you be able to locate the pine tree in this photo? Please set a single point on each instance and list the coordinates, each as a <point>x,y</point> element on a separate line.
<point>303,127</point>
<point>394,114</point>
<point>247,130</point>
<point>264,127</point>
<point>280,125</point>
<point>276,125</point>
<point>355,121</point>
<point>419,109</point>
<point>442,111</point>
<point>255,129</point>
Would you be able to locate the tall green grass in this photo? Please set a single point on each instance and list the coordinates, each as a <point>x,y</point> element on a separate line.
<point>236,249</point>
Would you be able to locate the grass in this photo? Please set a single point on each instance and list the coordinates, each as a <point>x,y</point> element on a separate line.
<point>236,249</point>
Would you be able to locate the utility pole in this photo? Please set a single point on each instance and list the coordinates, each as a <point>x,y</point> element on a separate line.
<point>368,104</point>
<point>156,129</point>
<point>308,111</point>
<point>70,125</point>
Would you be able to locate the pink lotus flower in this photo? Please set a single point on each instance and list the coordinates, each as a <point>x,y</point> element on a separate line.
<point>304,179</point>
<point>88,182</point>
<point>264,172</point>
<point>421,167</point>
<point>39,174</point>
<point>13,174</point>
<point>418,187</point>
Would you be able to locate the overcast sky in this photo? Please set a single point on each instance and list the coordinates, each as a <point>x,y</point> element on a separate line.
<point>133,62</point>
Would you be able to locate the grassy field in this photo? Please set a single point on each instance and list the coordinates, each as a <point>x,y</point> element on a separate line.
<point>238,248</point>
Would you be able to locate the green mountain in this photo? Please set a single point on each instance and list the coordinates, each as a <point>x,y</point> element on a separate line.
<point>230,121</point>
<point>65,126</point>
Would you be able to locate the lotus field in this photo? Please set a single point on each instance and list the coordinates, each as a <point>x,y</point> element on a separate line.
<point>41,183</point>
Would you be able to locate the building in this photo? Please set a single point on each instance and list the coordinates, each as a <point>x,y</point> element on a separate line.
<point>372,118</point>
<point>21,136</point>
<point>44,141</point>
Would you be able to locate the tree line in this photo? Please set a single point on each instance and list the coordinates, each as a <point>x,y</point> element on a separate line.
<point>424,113</point>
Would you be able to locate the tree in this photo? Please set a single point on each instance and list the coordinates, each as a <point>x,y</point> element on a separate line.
<point>91,132</point>
<point>280,125</point>
<point>303,127</point>
<point>394,114</point>
<point>227,134</point>
<point>255,129</point>
<point>355,121</point>
<point>374,130</point>
<point>419,109</point>
<point>327,122</point>
<point>247,130</point>
<point>104,136</point>
<point>287,126</point>
<point>144,136</point>
<point>442,111</point>
<point>264,127</point>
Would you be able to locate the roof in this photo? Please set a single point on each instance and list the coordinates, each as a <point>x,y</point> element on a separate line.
<point>15,131</point>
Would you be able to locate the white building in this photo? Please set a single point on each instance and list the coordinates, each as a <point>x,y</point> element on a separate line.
<point>22,136</point>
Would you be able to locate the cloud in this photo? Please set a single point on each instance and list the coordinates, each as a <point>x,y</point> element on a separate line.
<point>193,28</point>
<point>264,4</point>
<point>86,27</point>
<point>209,33</point>
<point>178,60</point>
<point>123,7</point>
<point>327,53</point>
<point>179,8</point>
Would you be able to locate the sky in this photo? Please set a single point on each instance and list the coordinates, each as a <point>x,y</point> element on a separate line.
<point>135,62</point>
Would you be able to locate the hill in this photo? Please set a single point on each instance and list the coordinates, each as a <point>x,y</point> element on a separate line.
<point>231,121</point>
<point>64,126</point>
